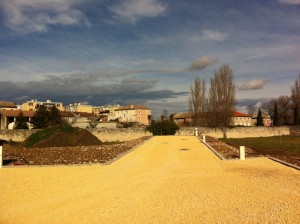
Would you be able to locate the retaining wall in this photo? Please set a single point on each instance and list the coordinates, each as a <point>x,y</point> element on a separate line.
<point>239,132</point>
<point>127,134</point>
<point>119,134</point>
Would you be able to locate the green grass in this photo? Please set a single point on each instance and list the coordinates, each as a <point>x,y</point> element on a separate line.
<point>286,145</point>
<point>44,134</point>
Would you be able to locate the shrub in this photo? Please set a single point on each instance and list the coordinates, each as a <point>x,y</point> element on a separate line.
<point>165,127</point>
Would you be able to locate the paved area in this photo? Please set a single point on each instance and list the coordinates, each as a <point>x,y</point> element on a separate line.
<point>172,179</point>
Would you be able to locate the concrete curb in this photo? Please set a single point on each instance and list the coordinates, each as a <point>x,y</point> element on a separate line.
<point>212,149</point>
<point>284,163</point>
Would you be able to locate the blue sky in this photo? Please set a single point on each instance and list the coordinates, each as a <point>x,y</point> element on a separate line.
<point>146,51</point>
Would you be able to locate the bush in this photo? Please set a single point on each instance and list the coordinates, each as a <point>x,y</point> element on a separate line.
<point>163,128</point>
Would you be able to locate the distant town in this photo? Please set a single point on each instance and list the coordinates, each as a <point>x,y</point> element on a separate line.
<point>111,116</point>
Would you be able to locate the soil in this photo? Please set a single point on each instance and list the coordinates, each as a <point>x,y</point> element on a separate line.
<point>230,152</point>
<point>77,146</point>
<point>76,137</point>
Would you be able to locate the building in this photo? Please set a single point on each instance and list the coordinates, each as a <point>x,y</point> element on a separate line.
<point>8,117</point>
<point>34,105</point>
<point>182,119</point>
<point>7,105</point>
<point>266,120</point>
<point>133,114</point>
<point>240,119</point>
<point>79,107</point>
<point>106,111</point>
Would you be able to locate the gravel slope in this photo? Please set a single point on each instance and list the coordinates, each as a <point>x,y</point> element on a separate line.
<point>167,180</point>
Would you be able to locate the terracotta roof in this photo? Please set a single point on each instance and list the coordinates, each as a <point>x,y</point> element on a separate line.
<point>15,113</point>
<point>132,107</point>
<point>238,114</point>
<point>66,114</point>
<point>7,104</point>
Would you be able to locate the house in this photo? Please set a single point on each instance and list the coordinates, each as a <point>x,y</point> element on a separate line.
<point>34,104</point>
<point>133,114</point>
<point>240,119</point>
<point>266,120</point>
<point>83,119</point>
<point>106,111</point>
<point>7,105</point>
<point>182,119</point>
<point>8,117</point>
<point>79,107</point>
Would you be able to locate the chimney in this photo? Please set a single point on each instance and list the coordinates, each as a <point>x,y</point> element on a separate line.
<point>132,106</point>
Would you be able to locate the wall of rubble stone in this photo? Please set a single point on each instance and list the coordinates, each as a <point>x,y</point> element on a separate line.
<point>127,134</point>
<point>16,135</point>
<point>239,132</point>
<point>119,134</point>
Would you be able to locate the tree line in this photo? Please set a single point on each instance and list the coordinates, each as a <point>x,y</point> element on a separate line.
<point>213,107</point>
<point>284,110</point>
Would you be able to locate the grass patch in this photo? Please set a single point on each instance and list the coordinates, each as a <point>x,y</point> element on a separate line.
<point>44,134</point>
<point>283,145</point>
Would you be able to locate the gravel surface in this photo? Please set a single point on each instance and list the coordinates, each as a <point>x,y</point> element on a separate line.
<point>105,153</point>
<point>166,180</point>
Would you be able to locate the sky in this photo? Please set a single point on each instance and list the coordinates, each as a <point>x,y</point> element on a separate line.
<point>148,52</point>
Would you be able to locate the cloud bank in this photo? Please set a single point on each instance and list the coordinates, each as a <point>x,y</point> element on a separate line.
<point>254,84</point>
<point>36,16</point>
<point>95,88</point>
<point>131,11</point>
<point>201,63</point>
<point>291,2</point>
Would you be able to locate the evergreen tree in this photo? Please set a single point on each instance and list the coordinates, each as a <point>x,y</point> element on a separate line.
<point>276,117</point>
<point>41,117</point>
<point>54,116</point>
<point>21,121</point>
<point>296,115</point>
<point>260,121</point>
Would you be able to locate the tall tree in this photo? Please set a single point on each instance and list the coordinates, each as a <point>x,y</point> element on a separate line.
<point>41,117</point>
<point>295,89</point>
<point>21,121</point>
<point>296,115</point>
<point>197,101</point>
<point>260,121</point>
<point>221,98</point>
<point>276,117</point>
<point>54,116</point>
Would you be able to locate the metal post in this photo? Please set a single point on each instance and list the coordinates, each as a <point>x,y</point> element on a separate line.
<point>1,157</point>
<point>242,152</point>
<point>204,139</point>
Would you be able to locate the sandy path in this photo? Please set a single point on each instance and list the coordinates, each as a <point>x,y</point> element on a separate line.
<point>167,180</point>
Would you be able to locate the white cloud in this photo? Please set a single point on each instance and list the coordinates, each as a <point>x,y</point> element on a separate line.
<point>36,16</point>
<point>214,35</point>
<point>201,63</point>
<point>292,2</point>
<point>134,10</point>
<point>254,84</point>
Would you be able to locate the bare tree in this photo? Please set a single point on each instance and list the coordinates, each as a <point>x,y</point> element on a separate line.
<point>221,98</point>
<point>296,91</point>
<point>296,99</point>
<point>197,101</point>
<point>285,110</point>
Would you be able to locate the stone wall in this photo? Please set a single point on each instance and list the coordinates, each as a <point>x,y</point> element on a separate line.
<point>120,134</point>
<point>17,135</point>
<point>239,132</point>
<point>127,134</point>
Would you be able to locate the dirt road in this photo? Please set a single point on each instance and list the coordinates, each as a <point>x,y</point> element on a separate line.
<point>167,180</point>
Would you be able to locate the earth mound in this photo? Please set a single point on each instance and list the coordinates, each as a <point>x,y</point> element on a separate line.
<point>77,137</point>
